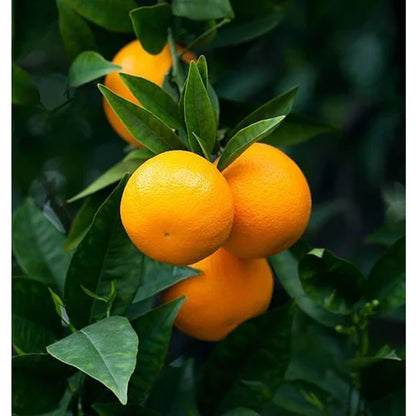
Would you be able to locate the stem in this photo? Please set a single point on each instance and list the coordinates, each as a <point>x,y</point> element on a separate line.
<point>176,69</point>
<point>206,33</point>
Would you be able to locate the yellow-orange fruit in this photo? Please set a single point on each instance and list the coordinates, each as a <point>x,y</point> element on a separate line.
<point>135,60</point>
<point>177,208</point>
<point>228,292</point>
<point>272,202</point>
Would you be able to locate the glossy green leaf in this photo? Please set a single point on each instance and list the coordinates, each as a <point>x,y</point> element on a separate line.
<point>105,350</point>
<point>214,101</point>
<point>297,129</point>
<point>331,281</point>
<point>105,254</point>
<point>154,99</point>
<point>24,90</point>
<point>202,9</point>
<point>88,66</point>
<point>173,393</point>
<point>203,69</point>
<point>143,125</point>
<point>128,165</point>
<point>244,138</point>
<point>278,106</point>
<point>386,281</point>
<point>387,234</point>
<point>285,266</point>
<point>230,379</point>
<point>159,276</point>
<point>38,383</point>
<point>35,323</point>
<point>38,246</point>
<point>250,22</point>
<point>75,31</point>
<point>83,220</point>
<point>150,24</point>
<point>153,330</point>
<point>198,112</point>
<point>110,14</point>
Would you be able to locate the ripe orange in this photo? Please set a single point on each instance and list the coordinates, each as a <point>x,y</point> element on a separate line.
<point>134,60</point>
<point>228,292</point>
<point>177,208</point>
<point>272,202</point>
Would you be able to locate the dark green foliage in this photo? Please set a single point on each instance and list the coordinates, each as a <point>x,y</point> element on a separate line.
<point>83,292</point>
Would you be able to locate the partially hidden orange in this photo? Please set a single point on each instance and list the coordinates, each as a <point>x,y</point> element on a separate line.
<point>228,292</point>
<point>272,202</point>
<point>135,60</point>
<point>177,208</point>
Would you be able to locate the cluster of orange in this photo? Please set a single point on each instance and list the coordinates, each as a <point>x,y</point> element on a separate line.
<point>178,208</point>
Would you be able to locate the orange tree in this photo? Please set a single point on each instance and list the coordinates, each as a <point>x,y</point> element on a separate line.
<point>201,297</point>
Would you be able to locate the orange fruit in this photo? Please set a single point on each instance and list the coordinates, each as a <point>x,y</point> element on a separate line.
<point>177,207</point>
<point>228,292</point>
<point>134,60</point>
<point>272,202</point>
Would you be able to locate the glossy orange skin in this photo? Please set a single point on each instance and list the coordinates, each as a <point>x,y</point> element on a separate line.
<point>228,292</point>
<point>134,60</point>
<point>177,208</point>
<point>272,202</point>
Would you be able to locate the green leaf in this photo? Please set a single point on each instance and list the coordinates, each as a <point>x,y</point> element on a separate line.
<point>387,234</point>
<point>382,378</point>
<point>88,66</point>
<point>150,24</point>
<point>105,254</point>
<point>106,351</point>
<point>128,165</point>
<point>154,331</point>
<point>331,281</point>
<point>75,31</point>
<point>143,125</point>
<point>110,14</point>
<point>203,69</point>
<point>35,323</point>
<point>230,379</point>
<point>278,106</point>
<point>24,90</point>
<point>214,101</point>
<point>38,383</point>
<point>82,221</point>
<point>198,112</point>
<point>386,281</point>
<point>159,276</point>
<point>297,129</point>
<point>306,399</point>
<point>250,22</point>
<point>244,138</point>
<point>154,99</point>
<point>202,9</point>
<point>285,266</point>
<point>174,391</point>
<point>38,246</point>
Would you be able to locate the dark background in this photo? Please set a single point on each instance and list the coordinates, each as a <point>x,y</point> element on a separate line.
<point>347,58</point>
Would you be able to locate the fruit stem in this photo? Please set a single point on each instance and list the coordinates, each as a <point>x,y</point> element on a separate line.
<point>176,69</point>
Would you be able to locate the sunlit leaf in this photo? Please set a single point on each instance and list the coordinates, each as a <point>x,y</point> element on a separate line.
<point>245,137</point>
<point>106,351</point>
<point>88,66</point>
